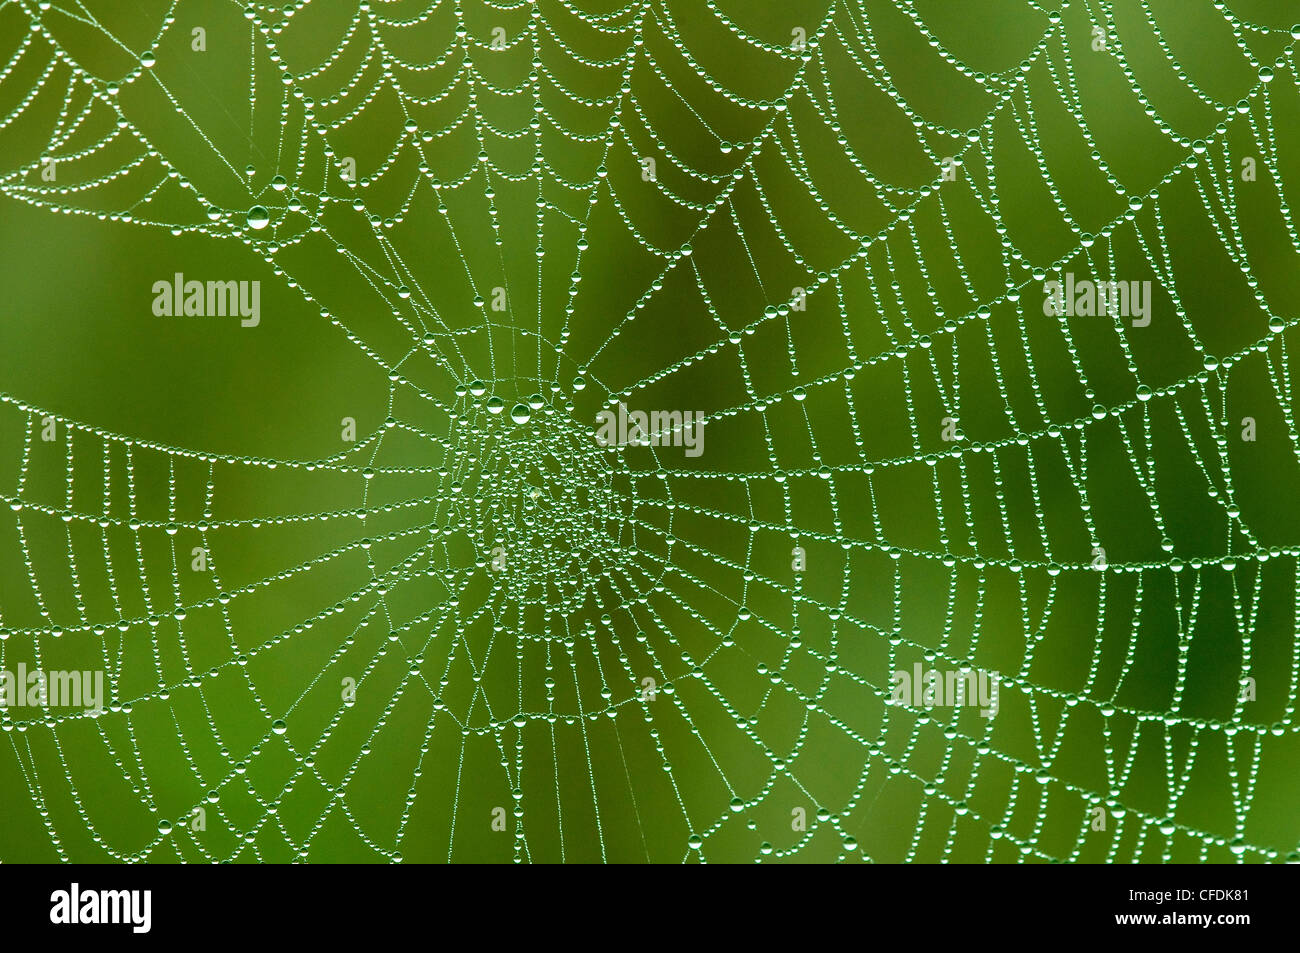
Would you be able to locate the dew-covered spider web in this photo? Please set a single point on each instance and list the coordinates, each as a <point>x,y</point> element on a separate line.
<point>364,585</point>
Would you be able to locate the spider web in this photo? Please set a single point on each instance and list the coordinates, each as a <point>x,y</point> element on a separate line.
<point>837,255</point>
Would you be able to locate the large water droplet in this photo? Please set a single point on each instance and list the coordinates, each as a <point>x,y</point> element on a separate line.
<point>258,217</point>
<point>520,413</point>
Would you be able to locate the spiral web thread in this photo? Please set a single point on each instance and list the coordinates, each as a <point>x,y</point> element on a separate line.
<point>626,563</point>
